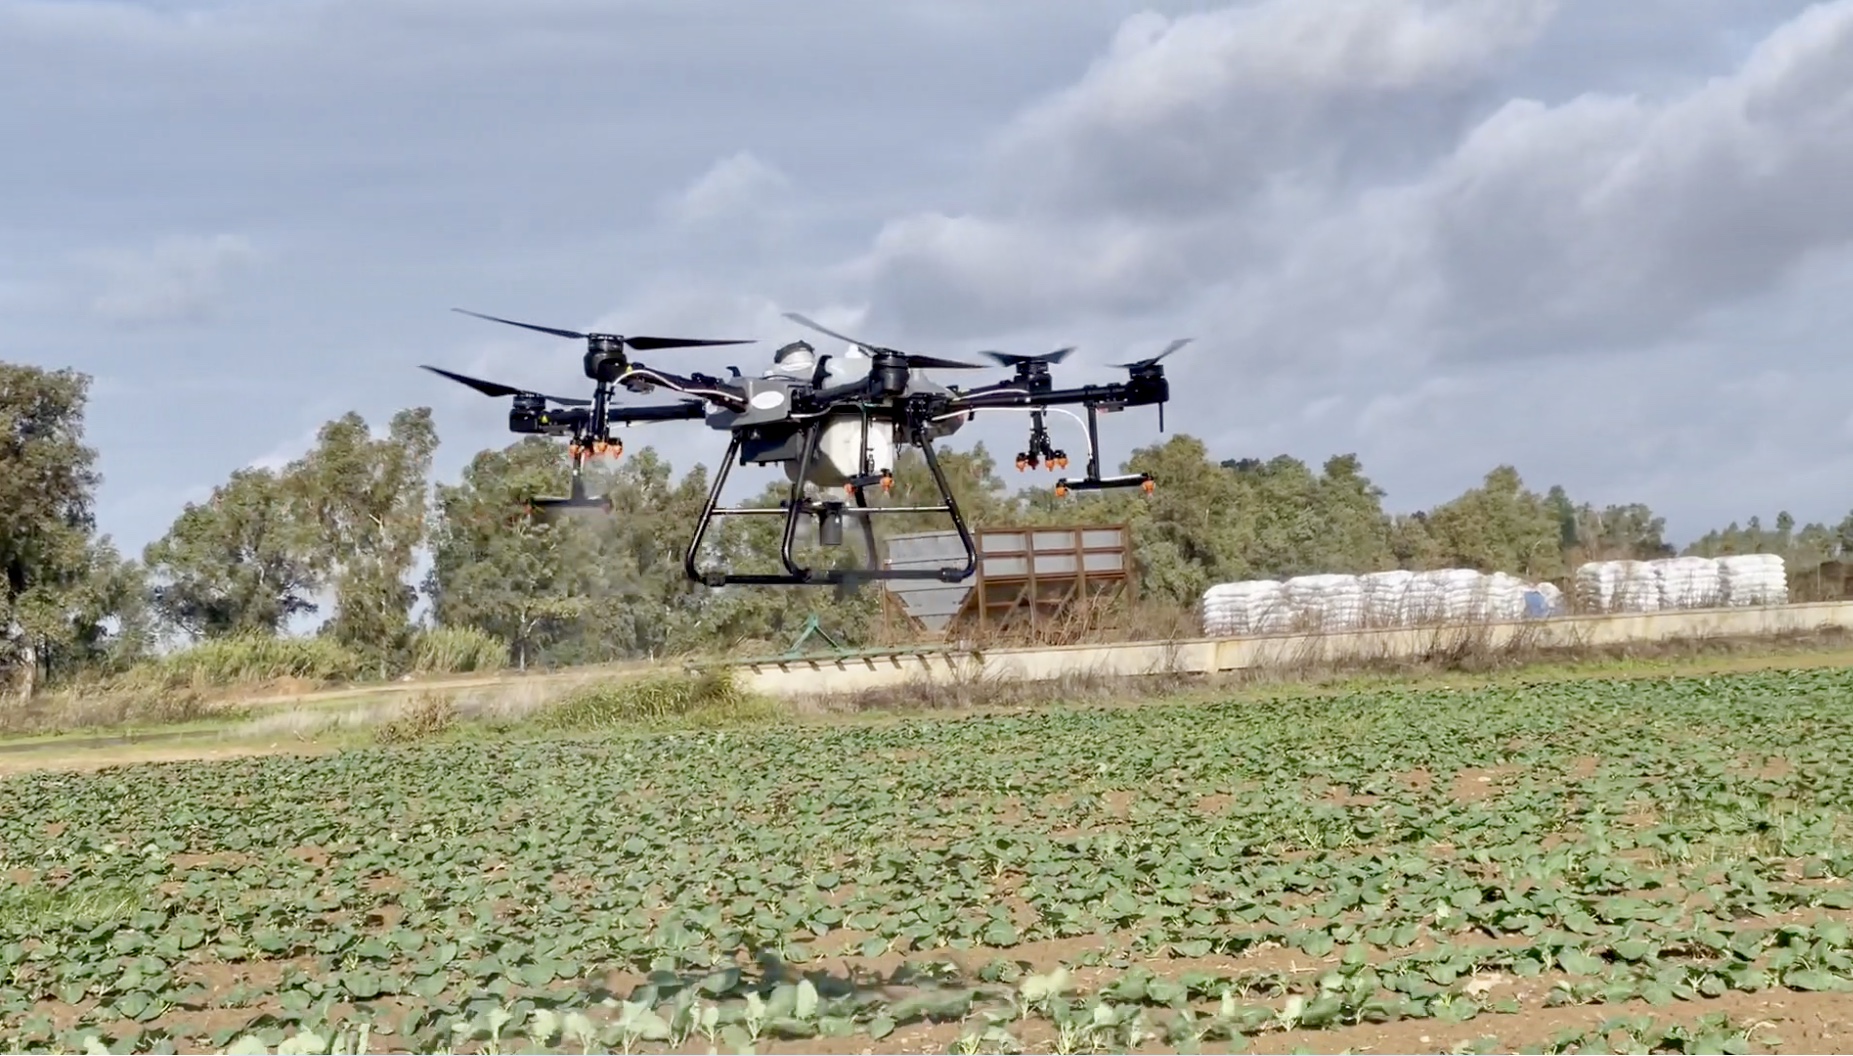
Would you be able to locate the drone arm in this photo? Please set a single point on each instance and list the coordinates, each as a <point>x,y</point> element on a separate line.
<point>687,410</point>
<point>1139,392</point>
<point>1143,389</point>
<point>640,378</point>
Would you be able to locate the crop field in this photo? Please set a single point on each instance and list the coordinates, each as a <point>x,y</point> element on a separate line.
<point>1648,864</point>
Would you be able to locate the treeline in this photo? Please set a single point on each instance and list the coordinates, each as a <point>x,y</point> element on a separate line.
<point>337,534</point>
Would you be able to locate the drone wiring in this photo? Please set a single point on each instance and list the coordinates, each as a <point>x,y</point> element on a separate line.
<point>834,423</point>
<point>659,379</point>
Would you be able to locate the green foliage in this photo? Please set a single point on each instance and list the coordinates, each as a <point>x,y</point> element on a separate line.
<point>456,650</point>
<point>569,589</point>
<point>353,515</point>
<point>1387,855</point>
<point>60,586</point>
<point>497,570</point>
<point>252,658</point>
<point>1501,526</point>
<point>364,500</point>
<point>620,703</point>
<point>236,564</point>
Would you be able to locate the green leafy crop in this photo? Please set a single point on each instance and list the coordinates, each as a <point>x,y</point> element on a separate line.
<point>1179,875</point>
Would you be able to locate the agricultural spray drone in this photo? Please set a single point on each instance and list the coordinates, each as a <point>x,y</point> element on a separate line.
<point>832,421</point>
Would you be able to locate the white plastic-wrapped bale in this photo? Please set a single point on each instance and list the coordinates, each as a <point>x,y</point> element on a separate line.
<point>1754,579</point>
<point>1255,606</point>
<point>1690,582</point>
<point>1637,586</point>
<point>1443,595</point>
<point>1594,586</point>
<point>1498,597</point>
<point>1386,597</point>
<point>1326,602</point>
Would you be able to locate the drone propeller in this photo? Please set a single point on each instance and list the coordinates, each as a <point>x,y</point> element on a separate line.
<point>1015,359</point>
<point>639,344</point>
<point>496,388</point>
<point>1152,362</point>
<point>915,361</point>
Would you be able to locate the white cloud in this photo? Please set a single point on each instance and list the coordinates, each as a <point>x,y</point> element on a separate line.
<point>1200,167</point>
<point>1186,114</point>
<point>1341,200</point>
<point>1192,153</point>
<point>735,185</point>
<point>177,280</point>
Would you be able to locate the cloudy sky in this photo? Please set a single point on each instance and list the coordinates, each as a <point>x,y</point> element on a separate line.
<point>1609,243</point>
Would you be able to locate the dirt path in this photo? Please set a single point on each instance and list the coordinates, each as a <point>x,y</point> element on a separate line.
<point>83,759</point>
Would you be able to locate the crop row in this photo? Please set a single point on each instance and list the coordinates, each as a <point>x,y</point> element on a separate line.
<point>1668,840</point>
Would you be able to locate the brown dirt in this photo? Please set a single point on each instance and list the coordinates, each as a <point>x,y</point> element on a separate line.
<point>1477,785</point>
<point>52,757</point>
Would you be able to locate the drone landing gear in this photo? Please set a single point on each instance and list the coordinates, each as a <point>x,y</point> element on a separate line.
<point>830,528</point>
<point>1094,481</point>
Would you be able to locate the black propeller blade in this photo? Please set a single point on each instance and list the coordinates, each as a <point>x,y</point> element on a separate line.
<point>496,388</point>
<point>639,344</point>
<point>936,363</point>
<point>1013,359</point>
<point>1170,348</point>
<point>918,362</point>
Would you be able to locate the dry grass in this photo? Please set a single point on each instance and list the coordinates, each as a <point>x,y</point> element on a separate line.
<point>425,715</point>
<point>81,709</point>
<point>215,679</point>
<point>1100,619</point>
<point>655,695</point>
<point>590,704</point>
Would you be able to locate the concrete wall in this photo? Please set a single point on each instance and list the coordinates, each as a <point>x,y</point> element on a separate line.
<point>830,676</point>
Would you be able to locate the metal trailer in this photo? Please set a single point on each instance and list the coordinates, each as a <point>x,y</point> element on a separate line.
<point>1031,581</point>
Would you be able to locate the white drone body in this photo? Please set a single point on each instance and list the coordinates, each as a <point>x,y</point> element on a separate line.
<point>838,458</point>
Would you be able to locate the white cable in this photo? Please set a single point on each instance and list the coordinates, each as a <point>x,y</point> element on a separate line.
<point>716,395</point>
<point>1079,423</point>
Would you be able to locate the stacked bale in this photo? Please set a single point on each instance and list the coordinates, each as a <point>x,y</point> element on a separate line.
<point>1754,579</point>
<point>1386,597</point>
<point>1328,602</point>
<point>1497,598</point>
<point>1256,606</point>
<point>1690,583</point>
<point>1396,598</point>
<point>1673,583</point>
<point>1593,585</point>
<point>1618,586</point>
<point>1445,595</point>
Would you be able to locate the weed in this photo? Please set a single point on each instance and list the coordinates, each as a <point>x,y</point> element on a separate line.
<point>711,696</point>
<point>428,715</point>
<point>456,650</point>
